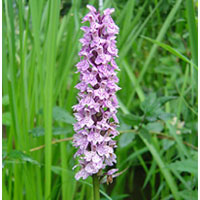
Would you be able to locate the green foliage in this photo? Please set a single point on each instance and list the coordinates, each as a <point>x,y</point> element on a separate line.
<point>6,118</point>
<point>126,139</point>
<point>188,194</point>
<point>189,165</point>
<point>61,115</point>
<point>158,64</point>
<point>155,127</point>
<point>16,156</point>
<point>5,100</point>
<point>172,50</point>
<point>39,131</point>
<point>152,107</point>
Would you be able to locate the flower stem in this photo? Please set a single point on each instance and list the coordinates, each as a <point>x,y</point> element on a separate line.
<point>96,187</point>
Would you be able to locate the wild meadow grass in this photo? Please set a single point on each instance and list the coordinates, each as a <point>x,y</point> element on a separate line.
<point>158,59</point>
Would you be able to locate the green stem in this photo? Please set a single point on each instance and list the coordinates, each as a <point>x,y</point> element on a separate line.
<point>96,187</point>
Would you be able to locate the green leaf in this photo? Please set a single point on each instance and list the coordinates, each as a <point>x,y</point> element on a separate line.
<point>133,156</point>
<point>165,116</point>
<point>171,50</point>
<point>152,107</point>
<point>166,173</point>
<point>4,143</point>
<point>5,100</point>
<point>4,148</point>
<point>193,32</point>
<point>39,131</point>
<point>159,38</point>
<point>130,119</point>
<point>180,145</point>
<point>151,118</point>
<point>6,119</point>
<point>132,78</point>
<point>177,42</point>
<point>188,165</point>
<point>167,143</point>
<point>166,70</point>
<point>150,104</point>
<point>62,131</point>
<point>58,170</point>
<point>119,196</point>
<point>163,100</point>
<point>155,127</point>
<point>186,131</point>
<point>122,106</point>
<point>61,115</point>
<point>125,139</point>
<point>189,194</point>
<point>145,134</point>
<point>16,155</point>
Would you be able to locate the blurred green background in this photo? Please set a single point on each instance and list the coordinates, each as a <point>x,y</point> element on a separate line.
<point>157,147</point>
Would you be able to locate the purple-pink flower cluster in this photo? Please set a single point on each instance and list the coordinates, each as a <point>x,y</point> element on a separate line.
<point>97,103</point>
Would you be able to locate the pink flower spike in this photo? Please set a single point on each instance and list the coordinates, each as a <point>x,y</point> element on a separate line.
<point>97,102</point>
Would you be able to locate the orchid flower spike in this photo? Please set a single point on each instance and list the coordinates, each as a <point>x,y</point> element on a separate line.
<point>97,103</point>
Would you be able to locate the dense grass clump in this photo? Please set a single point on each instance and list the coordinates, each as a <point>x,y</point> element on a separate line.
<point>157,147</point>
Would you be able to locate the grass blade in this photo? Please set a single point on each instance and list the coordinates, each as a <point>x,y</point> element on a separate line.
<point>192,30</point>
<point>48,89</point>
<point>166,173</point>
<point>159,38</point>
<point>171,50</point>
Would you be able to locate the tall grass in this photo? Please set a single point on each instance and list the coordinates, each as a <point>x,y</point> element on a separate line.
<point>157,148</point>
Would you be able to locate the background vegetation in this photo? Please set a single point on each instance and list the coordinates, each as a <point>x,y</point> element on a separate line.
<point>157,148</point>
